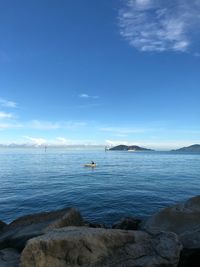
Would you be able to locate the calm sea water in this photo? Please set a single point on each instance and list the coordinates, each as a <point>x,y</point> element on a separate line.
<point>123,183</point>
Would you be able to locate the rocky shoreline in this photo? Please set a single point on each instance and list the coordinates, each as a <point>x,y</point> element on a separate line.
<point>63,238</point>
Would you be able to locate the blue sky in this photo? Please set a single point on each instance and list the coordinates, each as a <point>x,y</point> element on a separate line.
<point>100,72</point>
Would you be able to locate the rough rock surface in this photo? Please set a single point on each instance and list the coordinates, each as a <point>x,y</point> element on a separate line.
<point>17,233</point>
<point>97,247</point>
<point>128,223</point>
<point>189,258</point>
<point>2,225</point>
<point>94,225</point>
<point>182,219</point>
<point>9,258</point>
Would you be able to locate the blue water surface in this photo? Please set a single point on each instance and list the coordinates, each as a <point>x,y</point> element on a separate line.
<point>123,183</point>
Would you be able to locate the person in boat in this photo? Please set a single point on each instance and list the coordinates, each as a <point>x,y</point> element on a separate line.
<point>92,162</point>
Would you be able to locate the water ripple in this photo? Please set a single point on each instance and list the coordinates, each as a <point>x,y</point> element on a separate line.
<point>123,184</point>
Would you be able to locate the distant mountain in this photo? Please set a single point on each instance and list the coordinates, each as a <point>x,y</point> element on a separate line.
<point>193,148</point>
<point>126,148</point>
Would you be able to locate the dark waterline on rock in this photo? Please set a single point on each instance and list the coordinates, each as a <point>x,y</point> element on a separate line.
<point>123,183</point>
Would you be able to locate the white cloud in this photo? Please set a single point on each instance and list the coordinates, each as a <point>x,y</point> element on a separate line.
<point>143,2</point>
<point>88,96</point>
<point>62,141</point>
<point>159,25</point>
<point>84,95</point>
<point>7,121</point>
<point>7,103</point>
<point>5,115</point>
<point>37,141</point>
<point>58,141</point>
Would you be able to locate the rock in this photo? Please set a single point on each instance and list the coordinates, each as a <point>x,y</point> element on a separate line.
<point>2,225</point>
<point>189,258</point>
<point>182,219</point>
<point>97,247</point>
<point>191,238</point>
<point>127,224</point>
<point>94,225</point>
<point>17,233</point>
<point>9,258</point>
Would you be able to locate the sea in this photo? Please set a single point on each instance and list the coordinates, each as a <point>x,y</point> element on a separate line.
<point>122,184</point>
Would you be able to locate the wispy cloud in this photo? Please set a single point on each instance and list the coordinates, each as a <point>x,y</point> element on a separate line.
<point>5,115</point>
<point>12,125</point>
<point>38,141</point>
<point>5,126</point>
<point>58,141</point>
<point>158,25</point>
<point>50,125</point>
<point>62,140</point>
<point>88,96</point>
<point>8,121</point>
<point>7,103</point>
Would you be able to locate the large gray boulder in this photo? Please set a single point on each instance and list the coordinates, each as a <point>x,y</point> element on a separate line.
<point>17,233</point>
<point>182,219</point>
<point>98,247</point>
<point>9,258</point>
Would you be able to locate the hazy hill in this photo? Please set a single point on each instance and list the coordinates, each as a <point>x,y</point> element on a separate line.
<point>124,147</point>
<point>193,148</point>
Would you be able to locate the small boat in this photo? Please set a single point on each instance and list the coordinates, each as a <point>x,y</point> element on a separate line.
<point>90,165</point>
<point>131,150</point>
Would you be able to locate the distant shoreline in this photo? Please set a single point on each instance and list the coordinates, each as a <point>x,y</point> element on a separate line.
<point>133,148</point>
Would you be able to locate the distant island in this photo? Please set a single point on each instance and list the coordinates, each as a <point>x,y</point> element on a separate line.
<point>130,148</point>
<point>193,148</point>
